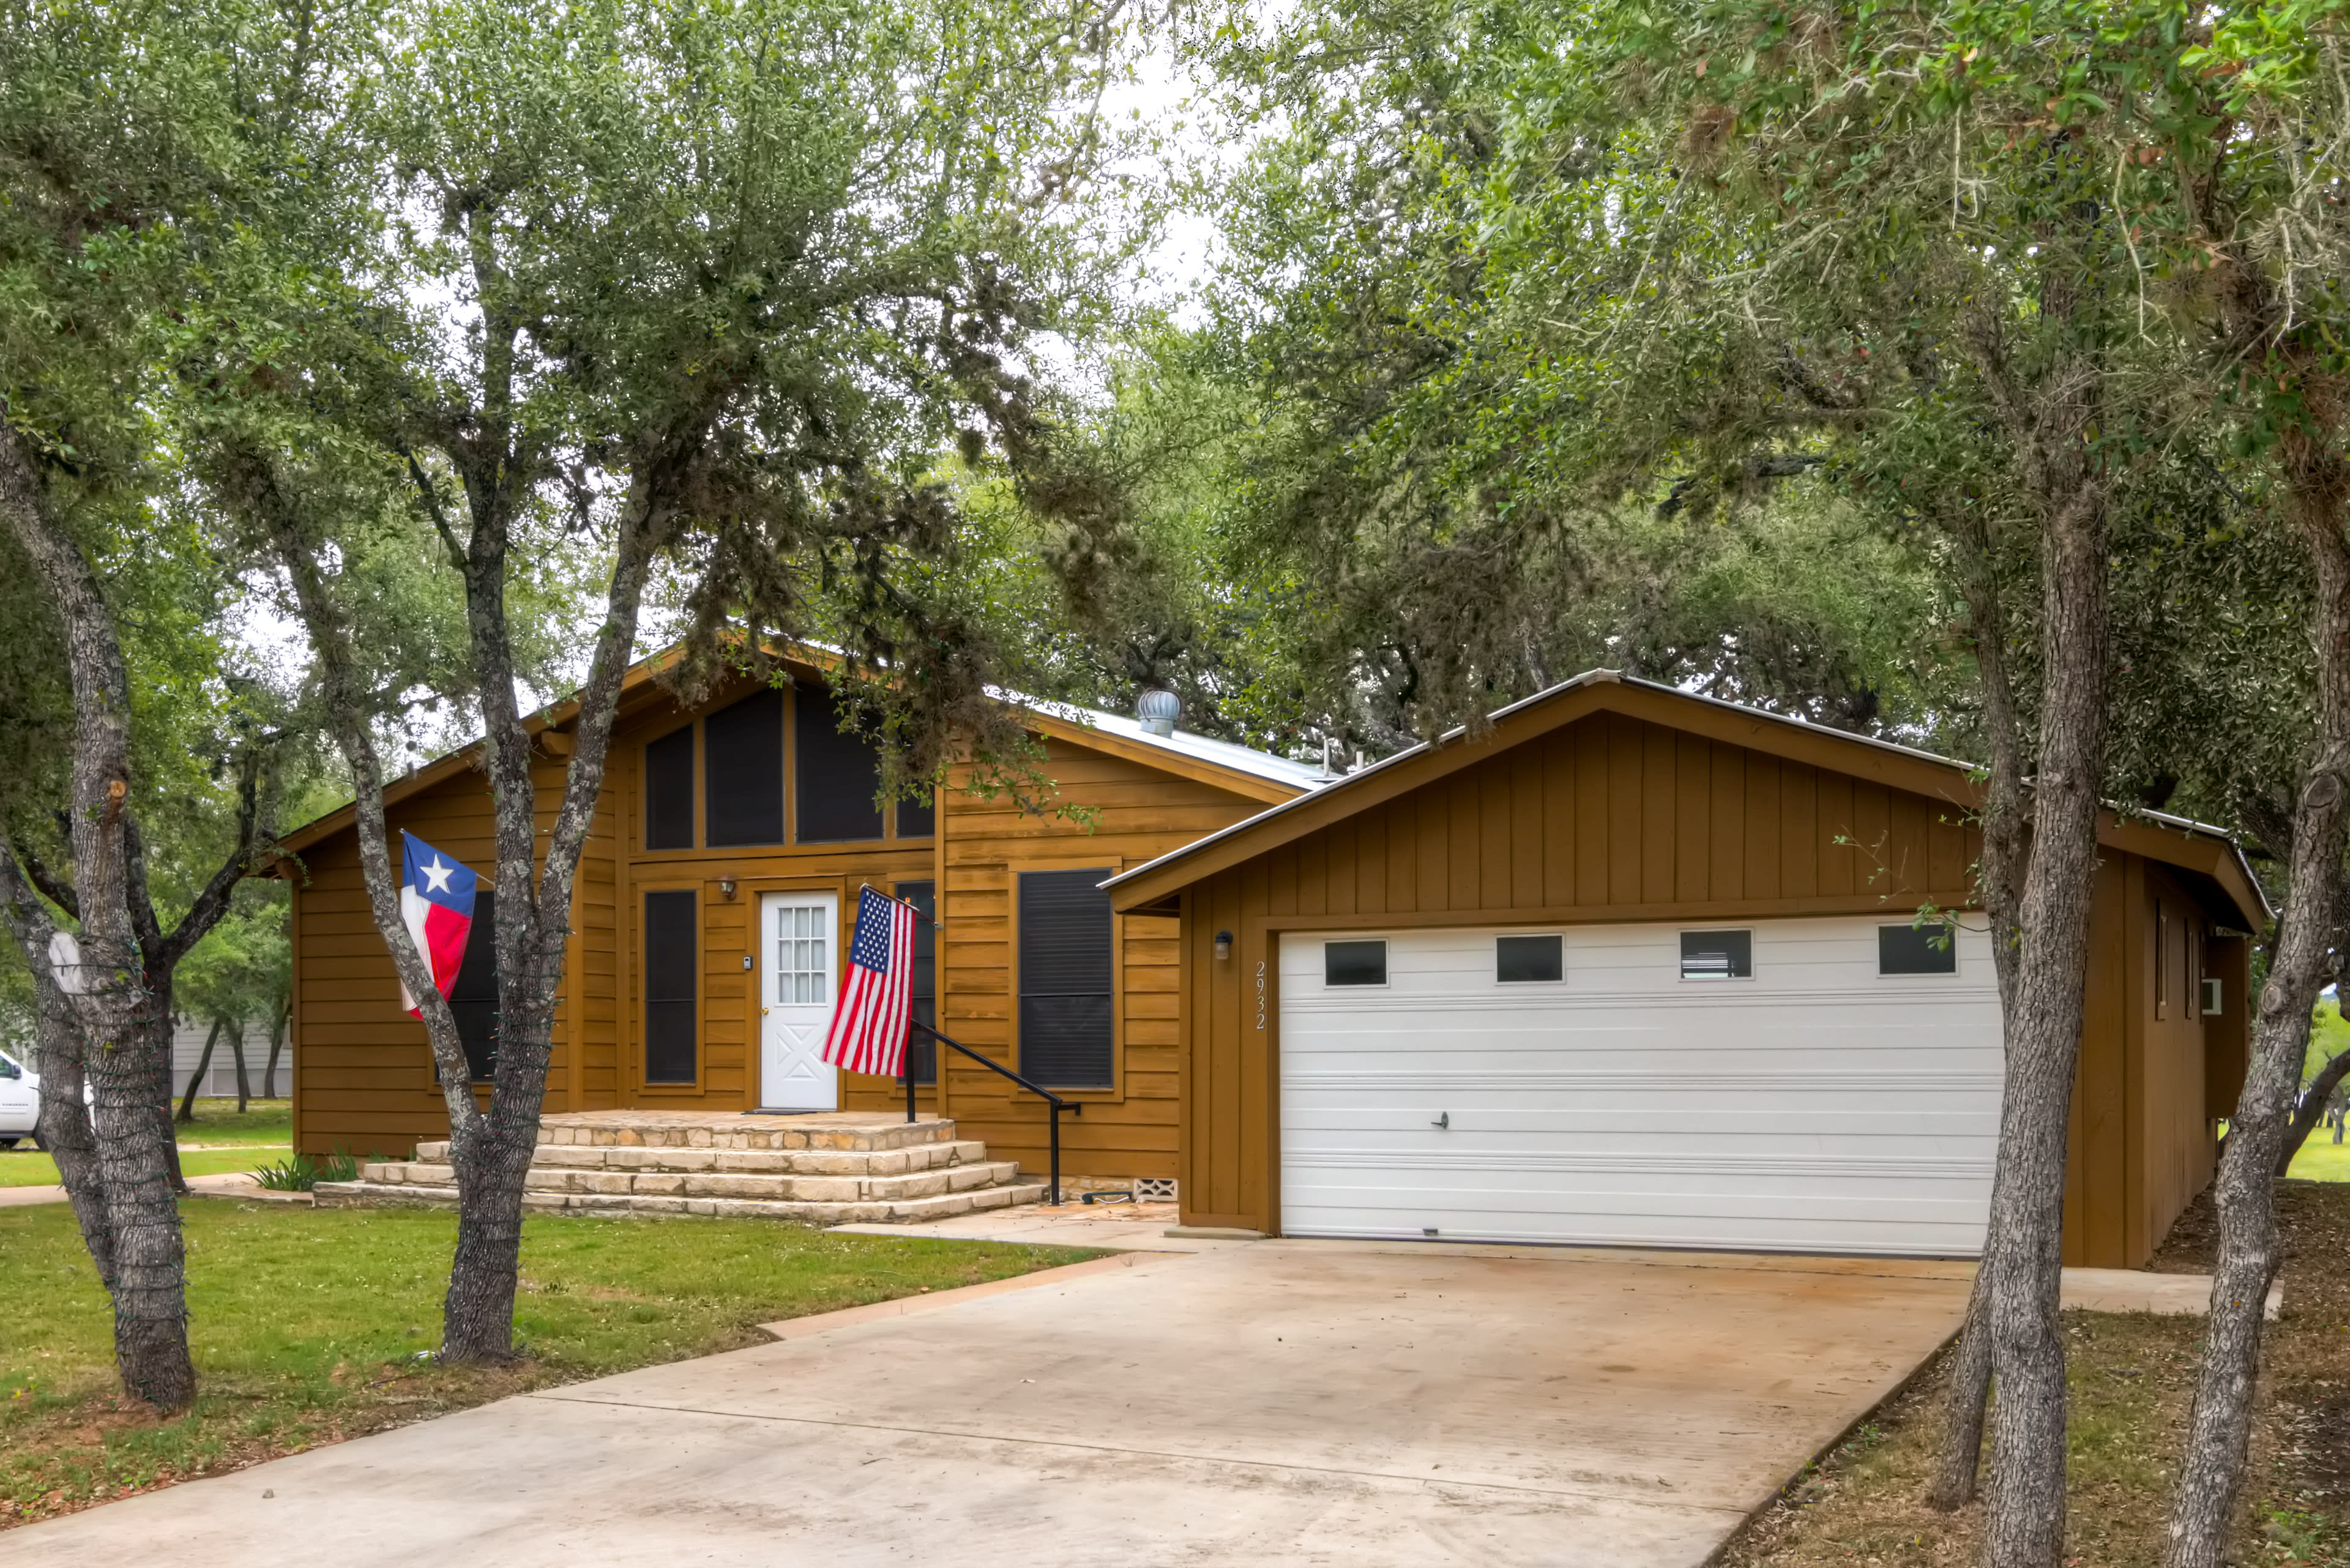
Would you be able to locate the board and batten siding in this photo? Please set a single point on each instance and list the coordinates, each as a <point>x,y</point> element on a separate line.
<point>1814,1106</point>
<point>1611,818</point>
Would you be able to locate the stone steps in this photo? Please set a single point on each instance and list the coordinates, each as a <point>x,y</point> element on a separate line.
<point>825,1170</point>
<point>903,1211</point>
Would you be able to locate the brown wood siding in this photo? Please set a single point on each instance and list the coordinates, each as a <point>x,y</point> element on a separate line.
<point>1132,813</point>
<point>1613,818</point>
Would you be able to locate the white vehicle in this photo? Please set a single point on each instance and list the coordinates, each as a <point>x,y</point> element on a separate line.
<point>20,1100</point>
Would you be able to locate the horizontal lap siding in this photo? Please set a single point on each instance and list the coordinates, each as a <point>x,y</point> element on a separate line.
<point>365,1080</point>
<point>1133,812</point>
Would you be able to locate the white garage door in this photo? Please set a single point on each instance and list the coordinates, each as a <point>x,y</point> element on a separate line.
<point>1814,1102</point>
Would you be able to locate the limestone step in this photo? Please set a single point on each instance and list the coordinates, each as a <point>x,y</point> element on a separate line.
<point>903,1210</point>
<point>836,1130</point>
<point>781,1186</point>
<point>793,1161</point>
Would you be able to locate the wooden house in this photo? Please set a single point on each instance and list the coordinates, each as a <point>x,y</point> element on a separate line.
<point>710,916</point>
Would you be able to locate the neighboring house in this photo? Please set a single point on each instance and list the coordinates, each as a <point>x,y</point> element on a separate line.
<point>1636,967</point>
<point>712,910</point>
<point>188,1036</point>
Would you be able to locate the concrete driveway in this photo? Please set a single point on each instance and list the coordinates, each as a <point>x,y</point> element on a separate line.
<point>1278,1402</point>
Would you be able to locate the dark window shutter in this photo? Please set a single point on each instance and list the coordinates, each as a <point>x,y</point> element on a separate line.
<point>668,791</point>
<point>917,819</point>
<point>839,775</point>
<point>474,999</point>
<point>1066,1038</point>
<point>742,768</point>
<point>921,1051</point>
<point>671,960</point>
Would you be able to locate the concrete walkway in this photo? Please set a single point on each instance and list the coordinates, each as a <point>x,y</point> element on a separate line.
<point>1275,1402</point>
<point>228,1184</point>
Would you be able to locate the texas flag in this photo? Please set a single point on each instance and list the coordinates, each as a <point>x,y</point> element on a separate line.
<point>436,899</point>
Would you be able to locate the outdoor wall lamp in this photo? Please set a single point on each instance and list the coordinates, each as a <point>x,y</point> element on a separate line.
<point>1223,945</point>
<point>727,887</point>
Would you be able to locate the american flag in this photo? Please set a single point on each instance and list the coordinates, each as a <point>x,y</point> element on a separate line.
<point>869,1028</point>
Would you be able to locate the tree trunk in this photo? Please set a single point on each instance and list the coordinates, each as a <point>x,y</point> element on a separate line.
<point>2314,1105</point>
<point>2024,1250</point>
<point>108,995</point>
<point>533,931</point>
<point>2002,878</point>
<point>203,1065</point>
<point>57,1053</point>
<point>277,1044</point>
<point>2318,498</point>
<point>236,1054</point>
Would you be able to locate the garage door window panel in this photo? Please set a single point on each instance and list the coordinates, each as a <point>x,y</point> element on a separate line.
<point>1929,949</point>
<point>1717,955</point>
<point>1355,963</point>
<point>1529,960</point>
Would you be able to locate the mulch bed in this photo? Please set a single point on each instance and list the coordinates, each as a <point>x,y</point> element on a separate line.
<point>2132,1380</point>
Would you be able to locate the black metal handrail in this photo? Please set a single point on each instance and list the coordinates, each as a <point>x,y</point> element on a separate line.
<point>1057,1104</point>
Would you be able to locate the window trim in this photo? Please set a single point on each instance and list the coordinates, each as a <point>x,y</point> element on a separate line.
<point>1013,872</point>
<point>1500,936</point>
<point>1685,932</point>
<point>1387,968</point>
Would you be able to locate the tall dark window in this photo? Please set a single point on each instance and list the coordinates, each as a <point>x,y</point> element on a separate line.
<point>742,772</point>
<point>668,791</point>
<point>1066,1041</point>
<point>917,819</point>
<point>671,959</point>
<point>921,1051</point>
<point>474,999</point>
<point>839,775</point>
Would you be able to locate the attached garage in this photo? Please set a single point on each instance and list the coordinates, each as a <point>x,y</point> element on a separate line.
<point>1644,968</point>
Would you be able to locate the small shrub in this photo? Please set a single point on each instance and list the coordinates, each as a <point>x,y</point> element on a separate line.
<point>301,1173</point>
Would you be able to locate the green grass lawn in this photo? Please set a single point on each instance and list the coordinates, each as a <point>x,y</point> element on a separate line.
<point>306,1324</point>
<point>219,1140</point>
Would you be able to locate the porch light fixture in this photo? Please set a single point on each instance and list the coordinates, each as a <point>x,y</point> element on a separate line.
<point>1223,945</point>
<point>727,887</point>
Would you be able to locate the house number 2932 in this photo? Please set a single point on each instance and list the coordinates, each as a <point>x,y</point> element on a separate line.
<point>1259,994</point>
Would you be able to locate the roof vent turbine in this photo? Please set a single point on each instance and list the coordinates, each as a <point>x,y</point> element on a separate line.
<point>1157,711</point>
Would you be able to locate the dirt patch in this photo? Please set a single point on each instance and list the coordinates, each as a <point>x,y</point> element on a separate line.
<point>2132,1378</point>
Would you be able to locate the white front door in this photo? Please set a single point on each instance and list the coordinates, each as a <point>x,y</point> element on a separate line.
<point>797,978</point>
